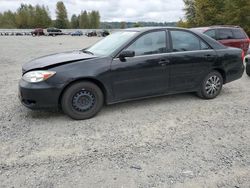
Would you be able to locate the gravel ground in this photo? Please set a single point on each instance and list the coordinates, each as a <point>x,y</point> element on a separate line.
<point>173,141</point>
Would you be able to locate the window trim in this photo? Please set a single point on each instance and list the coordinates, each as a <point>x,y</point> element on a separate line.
<point>200,39</point>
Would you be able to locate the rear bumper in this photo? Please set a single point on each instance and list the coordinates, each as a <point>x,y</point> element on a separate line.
<point>39,95</point>
<point>235,74</point>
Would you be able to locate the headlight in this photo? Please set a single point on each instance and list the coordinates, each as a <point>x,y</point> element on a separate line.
<point>38,76</point>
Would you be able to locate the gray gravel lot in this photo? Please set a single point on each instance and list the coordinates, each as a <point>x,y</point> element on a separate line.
<point>172,141</point>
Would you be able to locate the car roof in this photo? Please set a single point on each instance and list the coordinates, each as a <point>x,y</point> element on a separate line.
<point>212,42</point>
<point>217,27</point>
<point>144,29</point>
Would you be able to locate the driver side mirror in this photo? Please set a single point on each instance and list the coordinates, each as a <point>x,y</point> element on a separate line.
<point>126,53</point>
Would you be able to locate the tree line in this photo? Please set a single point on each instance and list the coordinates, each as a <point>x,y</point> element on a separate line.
<point>122,24</point>
<point>216,12</point>
<point>28,16</point>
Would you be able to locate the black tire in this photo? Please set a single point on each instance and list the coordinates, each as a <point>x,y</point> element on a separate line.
<point>248,69</point>
<point>211,86</point>
<point>82,100</point>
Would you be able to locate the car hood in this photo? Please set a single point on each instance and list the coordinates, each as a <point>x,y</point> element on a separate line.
<point>56,59</point>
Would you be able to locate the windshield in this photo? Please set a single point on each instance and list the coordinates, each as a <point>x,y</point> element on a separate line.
<point>111,43</point>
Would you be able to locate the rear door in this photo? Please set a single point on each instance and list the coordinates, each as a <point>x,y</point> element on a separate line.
<point>190,60</point>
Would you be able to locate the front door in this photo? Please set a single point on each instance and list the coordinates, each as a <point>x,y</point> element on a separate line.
<point>145,74</point>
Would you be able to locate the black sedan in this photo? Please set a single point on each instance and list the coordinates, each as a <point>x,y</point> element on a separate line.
<point>127,65</point>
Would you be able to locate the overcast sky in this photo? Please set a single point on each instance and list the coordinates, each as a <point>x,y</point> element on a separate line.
<point>112,10</point>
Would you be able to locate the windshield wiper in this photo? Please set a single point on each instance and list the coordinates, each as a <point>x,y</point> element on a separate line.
<point>87,52</point>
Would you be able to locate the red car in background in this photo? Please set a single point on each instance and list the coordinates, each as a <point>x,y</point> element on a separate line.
<point>233,36</point>
<point>37,32</point>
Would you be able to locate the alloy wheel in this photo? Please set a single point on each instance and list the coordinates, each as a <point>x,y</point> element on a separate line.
<point>213,85</point>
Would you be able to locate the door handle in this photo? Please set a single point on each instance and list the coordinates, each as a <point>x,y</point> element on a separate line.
<point>209,57</point>
<point>164,62</point>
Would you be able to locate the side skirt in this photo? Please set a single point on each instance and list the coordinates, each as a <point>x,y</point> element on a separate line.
<point>148,97</point>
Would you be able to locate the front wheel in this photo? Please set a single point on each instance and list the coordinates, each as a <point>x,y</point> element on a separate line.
<point>82,100</point>
<point>211,85</point>
<point>248,69</point>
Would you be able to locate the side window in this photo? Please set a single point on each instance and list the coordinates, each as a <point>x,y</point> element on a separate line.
<point>225,34</point>
<point>211,33</point>
<point>151,43</point>
<point>185,41</point>
<point>239,34</point>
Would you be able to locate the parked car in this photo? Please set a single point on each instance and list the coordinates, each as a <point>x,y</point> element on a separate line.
<point>77,33</point>
<point>247,60</point>
<point>128,65</point>
<point>37,32</point>
<point>105,33</point>
<point>91,34</point>
<point>53,32</point>
<point>233,36</point>
<point>19,34</point>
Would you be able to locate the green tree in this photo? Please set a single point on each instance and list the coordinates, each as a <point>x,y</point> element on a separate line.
<point>236,12</point>
<point>84,20</point>
<point>28,16</point>
<point>41,17</point>
<point>30,11</point>
<point>209,12</point>
<point>217,12</point>
<point>182,23</point>
<point>94,19</point>
<point>190,13</point>
<point>7,20</point>
<point>61,16</point>
<point>74,22</point>
<point>23,16</point>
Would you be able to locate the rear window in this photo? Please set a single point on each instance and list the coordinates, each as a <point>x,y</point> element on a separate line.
<point>239,34</point>
<point>225,34</point>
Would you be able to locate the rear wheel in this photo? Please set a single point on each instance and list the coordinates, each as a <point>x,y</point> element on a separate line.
<point>211,85</point>
<point>82,100</point>
<point>248,69</point>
